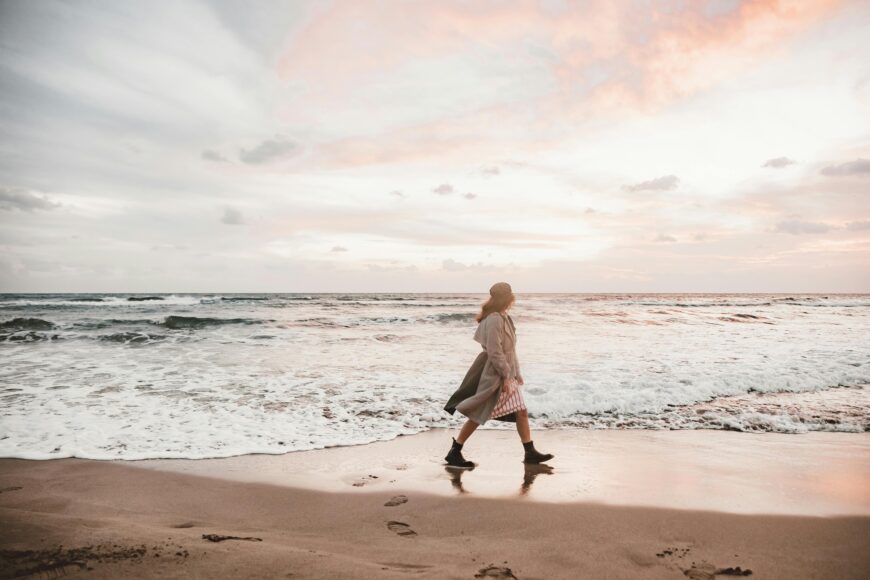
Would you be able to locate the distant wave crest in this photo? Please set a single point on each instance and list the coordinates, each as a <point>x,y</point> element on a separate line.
<point>193,322</point>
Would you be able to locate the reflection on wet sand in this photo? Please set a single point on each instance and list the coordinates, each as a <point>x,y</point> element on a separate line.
<point>530,472</point>
<point>455,474</point>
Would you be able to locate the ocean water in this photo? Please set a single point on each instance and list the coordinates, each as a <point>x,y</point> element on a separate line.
<point>109,376</point>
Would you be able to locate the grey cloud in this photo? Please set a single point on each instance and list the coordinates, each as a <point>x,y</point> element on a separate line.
<point>490,171</point>
<point>451,265</point>
<point>779,162</point>
<point>268,150</point>
<point>469,195</point>
<point>663,183</point>
<point>23,200</point>
<point>797,227</point>
<point>858,226</point>
<point>444,189</point>
<point>211,155</point>
<point>397,193</point>
<point>589,210</point>
<point>338,249</point>
<point>232,217</point>
<point>664,238</point>
<point>857,167</point>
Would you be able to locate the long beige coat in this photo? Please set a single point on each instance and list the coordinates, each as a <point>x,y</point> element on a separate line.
<point>497,334</point>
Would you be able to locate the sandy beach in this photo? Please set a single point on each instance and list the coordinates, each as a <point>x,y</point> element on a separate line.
<point>614,504</point>
<point>262,261</point>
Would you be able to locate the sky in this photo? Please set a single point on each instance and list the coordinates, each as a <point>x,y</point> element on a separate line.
<point>434,146</point>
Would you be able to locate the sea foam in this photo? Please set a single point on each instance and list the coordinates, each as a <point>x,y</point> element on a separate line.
<point>190,375</point>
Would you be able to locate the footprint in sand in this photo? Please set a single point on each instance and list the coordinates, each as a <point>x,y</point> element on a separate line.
<point>401,528</point>
<point>364,480</point>
<point>674,552</point>
<point>705,571</point>
<point>495,572</point>
<point>397,500</point>
<point>701,570</point>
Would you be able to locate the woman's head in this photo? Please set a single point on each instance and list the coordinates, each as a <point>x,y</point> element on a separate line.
<point>501,297</point>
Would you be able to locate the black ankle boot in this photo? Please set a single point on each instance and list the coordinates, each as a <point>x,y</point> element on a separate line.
<point>534,456</point>
<point>455,458</point>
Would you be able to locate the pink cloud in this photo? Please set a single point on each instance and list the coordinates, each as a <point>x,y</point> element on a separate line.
<point>604,58</point>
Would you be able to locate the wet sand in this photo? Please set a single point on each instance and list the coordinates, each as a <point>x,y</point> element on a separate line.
<point>616,504</point>
<point>771,473</point>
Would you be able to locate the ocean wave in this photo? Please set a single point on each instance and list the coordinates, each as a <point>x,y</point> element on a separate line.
<point>234,299</point>
<point>439,305</point>
<point>28,336</point>
<point>746,318</point>
<point>320,322</point>
<point>383,320</point>
<point>329,418</point>
<point>452,317</point>
<point>91,302</point>
<point>193,322</point>
<point>351,322</point>
<point>132,337</point>
<point>838,408</point>
<point>97,324</point>
<point>45,307</point>
<point>26,324</point>
<point>247,376</point>
<point>374,298</point>
<point>243,298</point>
<point>387,337</point>
<point>806,301</point>
<point>701,304</point>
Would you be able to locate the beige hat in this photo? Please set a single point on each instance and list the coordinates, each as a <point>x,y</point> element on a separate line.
<point>500,289</point>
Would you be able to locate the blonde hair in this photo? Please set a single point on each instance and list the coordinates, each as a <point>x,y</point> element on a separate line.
<point>497,303</point>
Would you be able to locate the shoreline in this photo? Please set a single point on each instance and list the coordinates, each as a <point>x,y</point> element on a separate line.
<point>302,515</point>
<point>816,473</point>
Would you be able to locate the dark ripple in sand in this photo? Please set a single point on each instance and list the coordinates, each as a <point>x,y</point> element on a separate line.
<point>57,561</point>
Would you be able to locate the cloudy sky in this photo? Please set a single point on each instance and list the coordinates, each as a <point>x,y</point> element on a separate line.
<point>586,146</point>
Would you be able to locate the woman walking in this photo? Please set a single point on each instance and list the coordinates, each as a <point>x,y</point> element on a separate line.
<point>491,388</point>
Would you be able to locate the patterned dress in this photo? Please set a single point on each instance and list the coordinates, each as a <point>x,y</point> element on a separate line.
<point>509,402</point>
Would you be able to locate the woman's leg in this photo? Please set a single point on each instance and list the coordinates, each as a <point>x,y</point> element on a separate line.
<point>523,425</point>
<point>532,454</point>
<point>466,431</point>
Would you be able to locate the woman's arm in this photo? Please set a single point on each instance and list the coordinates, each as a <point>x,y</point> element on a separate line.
<point>494,349</point>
